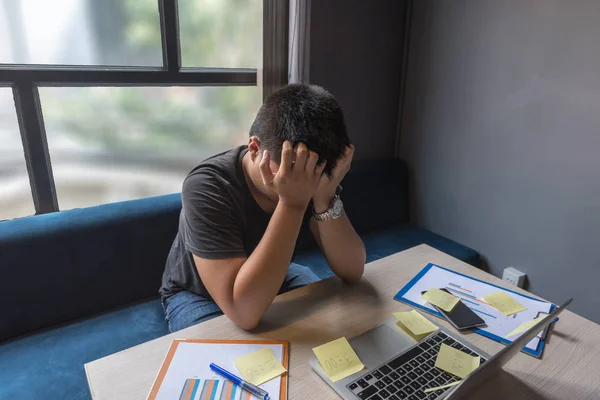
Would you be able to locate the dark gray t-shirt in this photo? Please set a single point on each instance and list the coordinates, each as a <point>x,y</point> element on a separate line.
<point>219,219</point>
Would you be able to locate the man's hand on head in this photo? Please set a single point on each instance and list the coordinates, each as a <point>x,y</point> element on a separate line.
<point>327,186</point>
<point>297,178</point>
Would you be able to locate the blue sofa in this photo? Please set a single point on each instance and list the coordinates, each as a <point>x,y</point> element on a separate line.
<point>82,284</point>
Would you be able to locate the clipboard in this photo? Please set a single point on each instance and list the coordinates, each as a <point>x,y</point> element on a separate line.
<point>190,358</point>
<point>404,295</point>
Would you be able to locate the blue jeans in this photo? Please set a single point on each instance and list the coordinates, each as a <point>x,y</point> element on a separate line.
<point>185,309</point>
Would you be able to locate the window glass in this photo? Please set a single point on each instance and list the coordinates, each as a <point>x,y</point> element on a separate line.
<point>119,143</point>
<point>15,192</point>
<point>221,33</point>
<point>80,32</point>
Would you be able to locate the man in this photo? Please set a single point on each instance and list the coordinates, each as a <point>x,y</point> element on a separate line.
<point>245,209</point>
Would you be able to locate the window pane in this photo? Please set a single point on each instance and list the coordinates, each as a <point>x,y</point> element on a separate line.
<point>80,32</point>
<point>221,33</point>
<point>15,192</point>
<point>110,144</point>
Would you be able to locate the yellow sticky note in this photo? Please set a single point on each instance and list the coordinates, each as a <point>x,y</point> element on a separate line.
<point>456,362</point>
<point>259,366</point>
<point>407,332</point>
<point>525,326</point>
<point>415,322</point>
<point>439,298</point>
<point>338,359</point>
<point>504,303</point>
<point>441,387</point>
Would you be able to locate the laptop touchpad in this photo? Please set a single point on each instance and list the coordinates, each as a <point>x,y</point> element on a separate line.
<point>379,345</point>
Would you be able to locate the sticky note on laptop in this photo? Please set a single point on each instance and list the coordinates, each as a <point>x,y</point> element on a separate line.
<point>415,322</point>
<point>338,359</point>
<point>525,326</point>
<point>456,362</point>
<point>504,303</point>
<point>259,366</point>
<point>439,298</point>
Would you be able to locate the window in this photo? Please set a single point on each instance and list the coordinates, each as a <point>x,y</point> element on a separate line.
<point>15,193</point>
<point>119,99</point>
<point>236,26</point>
<point>110,144</point>
<point>80,32</point>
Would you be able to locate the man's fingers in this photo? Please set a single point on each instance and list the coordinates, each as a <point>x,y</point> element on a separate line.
<point>301,157</point>
<point>265,169</point>
<point>311,162</point>
<point>287,157</point>
<point>320,168</point>
<point>350,153</point>
<point>344,163</point>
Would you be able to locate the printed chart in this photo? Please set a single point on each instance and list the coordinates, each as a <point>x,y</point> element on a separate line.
<point>212,389</point>
<point>471,292</point>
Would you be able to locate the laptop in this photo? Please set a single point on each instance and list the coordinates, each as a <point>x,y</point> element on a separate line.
<point>400,368</point>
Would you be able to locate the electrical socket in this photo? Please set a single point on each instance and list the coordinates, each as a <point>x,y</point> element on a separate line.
<point>514,276</point>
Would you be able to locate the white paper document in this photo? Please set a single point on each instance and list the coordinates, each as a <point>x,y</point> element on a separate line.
<point>192,360</point>
<point>471,292</point>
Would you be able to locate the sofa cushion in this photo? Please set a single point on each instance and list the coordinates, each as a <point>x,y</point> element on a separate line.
<point>49,365</point>
<point>62,266</point>
<point>388,241</point>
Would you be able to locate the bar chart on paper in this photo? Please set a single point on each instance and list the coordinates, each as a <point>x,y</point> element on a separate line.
<point>471,291</point>
<point>186,374</point>
<point>212,389</point>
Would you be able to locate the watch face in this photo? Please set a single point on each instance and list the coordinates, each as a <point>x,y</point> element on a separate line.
<point>338,207</point>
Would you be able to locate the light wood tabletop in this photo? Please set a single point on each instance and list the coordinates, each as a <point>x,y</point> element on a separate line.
<point>329,309</point>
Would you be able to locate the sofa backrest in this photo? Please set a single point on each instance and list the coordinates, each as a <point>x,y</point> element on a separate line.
<point>375,194</point>
<point>61,266</point>
<point>66,265</point>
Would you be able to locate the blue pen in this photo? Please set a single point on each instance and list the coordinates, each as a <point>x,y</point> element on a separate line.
<point>247,386</point>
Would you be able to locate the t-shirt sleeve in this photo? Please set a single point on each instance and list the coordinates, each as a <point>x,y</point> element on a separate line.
<point>210,227</point>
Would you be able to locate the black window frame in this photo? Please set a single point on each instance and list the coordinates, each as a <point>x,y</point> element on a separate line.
<point>26,79</point>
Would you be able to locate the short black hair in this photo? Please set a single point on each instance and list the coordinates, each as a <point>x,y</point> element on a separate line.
<point>301,113</point>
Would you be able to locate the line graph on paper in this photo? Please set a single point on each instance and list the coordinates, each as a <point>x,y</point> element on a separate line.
<point>470,299</point>
<point>471,292</point>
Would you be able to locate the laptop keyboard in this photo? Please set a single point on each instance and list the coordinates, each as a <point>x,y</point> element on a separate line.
<point>408,375</point>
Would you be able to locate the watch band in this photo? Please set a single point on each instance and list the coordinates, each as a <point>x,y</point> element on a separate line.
<point>335,210</point>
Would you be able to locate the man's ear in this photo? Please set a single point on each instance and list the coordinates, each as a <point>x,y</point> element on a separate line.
<point>254,147</point>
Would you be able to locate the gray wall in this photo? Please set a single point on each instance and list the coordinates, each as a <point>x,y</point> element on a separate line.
<point>356,53</point>
<point>502,132</point>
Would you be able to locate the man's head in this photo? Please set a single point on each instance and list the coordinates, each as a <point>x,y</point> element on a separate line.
<point>300,113</point>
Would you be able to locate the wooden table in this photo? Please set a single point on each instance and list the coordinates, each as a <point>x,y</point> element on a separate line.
<point>326,310</point>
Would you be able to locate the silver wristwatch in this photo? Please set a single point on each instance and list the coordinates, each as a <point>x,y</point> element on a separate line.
<point>335,210</point>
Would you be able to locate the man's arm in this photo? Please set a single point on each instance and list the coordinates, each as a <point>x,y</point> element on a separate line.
<point>343,248</point>
<point>245,287</point>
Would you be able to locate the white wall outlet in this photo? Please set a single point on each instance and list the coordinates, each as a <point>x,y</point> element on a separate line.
<point>514,276</point>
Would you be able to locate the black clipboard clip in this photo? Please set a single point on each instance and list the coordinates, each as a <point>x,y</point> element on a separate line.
<point>544,333</point>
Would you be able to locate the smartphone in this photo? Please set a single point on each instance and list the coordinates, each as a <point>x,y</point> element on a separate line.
<point>461,317</point>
